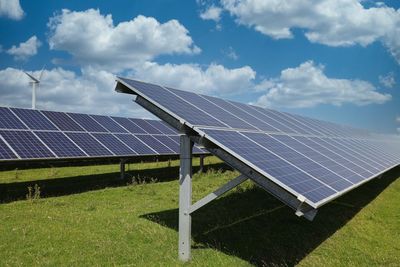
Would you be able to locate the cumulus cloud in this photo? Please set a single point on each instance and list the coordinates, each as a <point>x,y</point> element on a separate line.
<point>308,86</point>
<point>26,49</point>
<point>329,22</point>
<point>63,90</point>
<point>387,80</point>
<point>212,13</point>
<point>230,53</point>
<point>11,9</point>
<point>93,39</point>
<point>214,79</point>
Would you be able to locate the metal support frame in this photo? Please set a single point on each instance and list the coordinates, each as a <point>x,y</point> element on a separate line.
<point>185,197</point>
<point>122,169</point>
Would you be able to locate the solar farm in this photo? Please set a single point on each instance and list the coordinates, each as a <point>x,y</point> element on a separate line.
<point>213,183</point>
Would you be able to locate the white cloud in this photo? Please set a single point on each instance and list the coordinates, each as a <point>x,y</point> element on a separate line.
<point>63,90</point>
<point>398,119</point>
<point>211,13</point>
<point>11,9</point>
<point>26,49</point>
<point>214,79</point>
<point>308,86</point>
<point>93,39</point>
<point>230,53</point>
<point>387,80</point>
<point>329,22</point>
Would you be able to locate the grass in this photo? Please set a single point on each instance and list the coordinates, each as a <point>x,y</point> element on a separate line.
<point>136,223</point>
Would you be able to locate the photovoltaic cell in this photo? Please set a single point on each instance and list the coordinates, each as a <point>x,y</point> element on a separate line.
<point>9,120</point>
<point>162,127</point>
<point>5,152</point>
<point>135,144</point>
<point>26,144</point>
<point>109,124</point>
<point>90,145</point>
<point>155,144</point>
<point>130,126</point>
<point>145,126</point>
<point>174,104</point>
<point>87,122</point>
<point>167,142</point>
<point>62,121</point>
<point>34,119</point>
<point>60,144</point>
<point>114,144</point>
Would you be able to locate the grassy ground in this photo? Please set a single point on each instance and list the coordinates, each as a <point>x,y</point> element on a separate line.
<point>94,220</point>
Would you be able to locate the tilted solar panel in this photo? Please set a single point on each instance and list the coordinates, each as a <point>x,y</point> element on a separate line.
<point>313,160</point>
<point>36,134</point>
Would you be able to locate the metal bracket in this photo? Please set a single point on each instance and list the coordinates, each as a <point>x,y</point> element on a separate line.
<point>220,191</point>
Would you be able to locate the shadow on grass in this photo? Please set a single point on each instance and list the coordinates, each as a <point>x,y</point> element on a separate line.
<point>77,184</point>
<point>255,227</point>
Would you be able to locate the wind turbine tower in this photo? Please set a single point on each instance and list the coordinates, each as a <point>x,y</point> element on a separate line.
<point>35,82</point>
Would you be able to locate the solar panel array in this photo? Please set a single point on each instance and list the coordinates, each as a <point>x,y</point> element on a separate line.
<point>27,134</point>
<point>311,159</point>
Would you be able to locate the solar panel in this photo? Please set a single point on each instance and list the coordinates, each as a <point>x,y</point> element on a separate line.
<point>60,144</point>
<point>90,145</point>
<point>114,144</point>
<point>62,121</point>
<point>156,145</point>
<point>109,124</point>
<point>26,144</point>
<point>34,119</point>
<point>311,159</point>
<point>5,151</point>
<point>136,145</point>
<point>9,120</point>
<point>146,126</point>
<point>129,125</point>
<point>87,123</point>
<point>37,134</point>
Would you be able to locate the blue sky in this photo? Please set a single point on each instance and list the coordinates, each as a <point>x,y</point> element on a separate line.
<point>337,61</point>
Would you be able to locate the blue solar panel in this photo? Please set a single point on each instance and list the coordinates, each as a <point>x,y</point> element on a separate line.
<point>283,171</point>
<point>90,145</point>
<point>145,126</point>
<point>162,127</point>
<point>155,144</point>
<point>127,124</point>
<point>5,151</point>
<point>301,162</point>
<point>60,144</point>
<point>319,160</point>
<point>109,124</point>
<point>203,104</point>
<point>114,144</point>
<point>135,144</point>
<point>26,144</point>
<point>34,119</point>
<point>175,104</point>
<point>9,120</point>
<point>87,122</point>
<point>62,121</point>
<point>165,140</point>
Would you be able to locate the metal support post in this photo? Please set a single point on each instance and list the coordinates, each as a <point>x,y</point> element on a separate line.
<point>201,163</point>
<point>122,168</point>
<point>185,197</point>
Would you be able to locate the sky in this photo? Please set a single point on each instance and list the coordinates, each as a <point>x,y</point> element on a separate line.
<point>336,60</point>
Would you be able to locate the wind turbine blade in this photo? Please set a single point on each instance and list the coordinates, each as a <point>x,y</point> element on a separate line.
<point>41,73</point>
<point>33,78</point>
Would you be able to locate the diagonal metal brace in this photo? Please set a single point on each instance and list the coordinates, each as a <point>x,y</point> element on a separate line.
<point>220,191</point>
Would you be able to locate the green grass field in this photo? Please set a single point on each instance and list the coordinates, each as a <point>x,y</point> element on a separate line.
<point>85,216</point>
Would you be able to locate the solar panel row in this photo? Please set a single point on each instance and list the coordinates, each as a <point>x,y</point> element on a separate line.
<point>33,134</point>
<point>311,159</point>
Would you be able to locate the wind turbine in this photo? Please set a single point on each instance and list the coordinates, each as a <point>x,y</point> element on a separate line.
<point>35,82</point>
